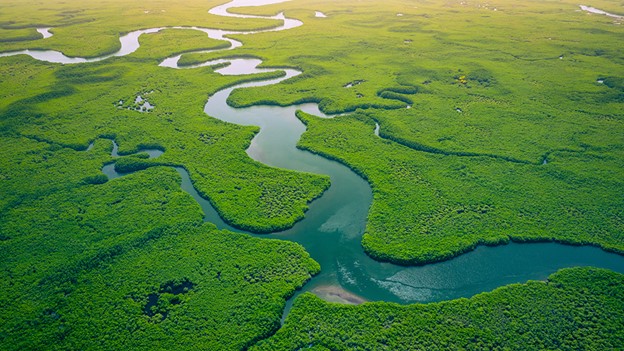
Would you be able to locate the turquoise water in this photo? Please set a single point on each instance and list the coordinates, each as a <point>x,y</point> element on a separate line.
<point>331,233</point>
<point>332,228</point>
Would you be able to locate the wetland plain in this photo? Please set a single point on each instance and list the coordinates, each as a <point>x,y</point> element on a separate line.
<point>280,175</point>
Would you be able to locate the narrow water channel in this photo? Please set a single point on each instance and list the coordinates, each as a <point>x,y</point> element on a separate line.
<point>331,230</point>
<point>599,12</point>
<point>45,32</point>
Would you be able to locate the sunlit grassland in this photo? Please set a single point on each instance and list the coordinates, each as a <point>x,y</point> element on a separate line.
<point>520,85</point>
<point>83,270</point>
<point>82,261</point>
<point>158,46</point>
<point>82,104</point>
<point>494,92</point>
<point>76,23</point>
<point>519,100</point>
<point>11,35</point>
<point>429,207</point>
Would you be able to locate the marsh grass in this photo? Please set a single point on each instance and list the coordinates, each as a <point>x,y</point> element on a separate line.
<point>431,206</point>
<point>534,155</point>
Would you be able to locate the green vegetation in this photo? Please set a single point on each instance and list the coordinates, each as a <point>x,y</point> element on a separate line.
<point>57,104</point>
<point>89,263</point>
<point>575,309</point>
<point>158,46</point>
<point>519,99</point>
<point>494,107</point>
<point>77,23</point>
<point>80,262</point>
<point>18,35</point>
<point>514,132</point>
<point>429,207</point>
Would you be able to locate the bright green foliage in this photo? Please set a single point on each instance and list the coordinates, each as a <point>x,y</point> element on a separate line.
<point>18,35</point>
<point>495,89</point>
<point>239,286</point>
<point>158,46</point>
<point>518,99</point>
<point>429,207</point>
<point>575,309</point>
<point>76,23</point>
<point>59,107</point>
<point>30,169</point>
<point>82,257</point>
<point>25,79</point>
<point>133,163</point>
<point>80,261</point>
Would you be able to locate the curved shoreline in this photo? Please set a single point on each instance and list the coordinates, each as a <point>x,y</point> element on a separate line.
<point>45,32</point>
<point>410,284</point>
<point>599,12</point>
<point>130,41</point>
<point>333,238</point>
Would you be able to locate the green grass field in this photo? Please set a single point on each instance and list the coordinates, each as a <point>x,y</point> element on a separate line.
<point>514,132</point>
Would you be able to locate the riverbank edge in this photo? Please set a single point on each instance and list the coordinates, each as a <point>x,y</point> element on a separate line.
<point>383,256</point>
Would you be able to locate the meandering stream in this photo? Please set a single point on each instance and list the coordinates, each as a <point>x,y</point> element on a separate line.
<point>332,228</point>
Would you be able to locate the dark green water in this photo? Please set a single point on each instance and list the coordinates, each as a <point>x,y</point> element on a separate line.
<point>332,229</point>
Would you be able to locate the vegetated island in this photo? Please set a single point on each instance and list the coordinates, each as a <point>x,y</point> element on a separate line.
<point>128,264</point>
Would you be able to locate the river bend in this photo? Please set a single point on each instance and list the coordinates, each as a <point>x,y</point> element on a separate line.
<point>332,228</point>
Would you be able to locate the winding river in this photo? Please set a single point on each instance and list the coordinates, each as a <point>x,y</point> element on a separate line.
<point>332,228</point>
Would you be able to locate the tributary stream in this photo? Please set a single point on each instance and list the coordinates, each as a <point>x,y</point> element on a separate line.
<point>332,228</point>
